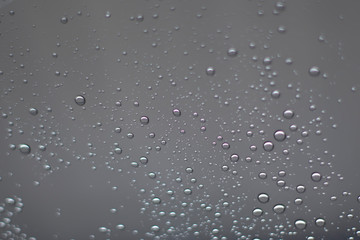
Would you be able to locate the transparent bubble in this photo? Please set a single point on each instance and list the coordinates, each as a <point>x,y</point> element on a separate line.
<point>80,100</point>
<point>300,224</point>
<point>176,112</point>
<point>316,177</point>
<point>280,135</point>
<point>268,146</point>
<point>279,208</point>
<point>320,222</point>
<point>232,52</point>
<point>257,212</point>
<point>24,148</point>
<point>234,157</point>
<point>210,71</point>
<point>263,198</point>
<point>288,114</point>
<point>314,71</point>
<point>144,120</point>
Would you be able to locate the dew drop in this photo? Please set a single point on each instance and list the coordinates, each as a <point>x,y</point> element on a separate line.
<point>144,160</point>
<point>257,212</point>
<point>144,120</point>
<point>33,111</point>
<point>210,71</point>
<point>316,177</point>
<point>176,112</point>
<point>314,71</point>
<point>234,157</point>
<point>187,191</point>
<point>279,208</point>
<point>320,222</point>
<point>232,52</point>
<point>275,94</point>
<point>288,114</point>
<point>300,188</point>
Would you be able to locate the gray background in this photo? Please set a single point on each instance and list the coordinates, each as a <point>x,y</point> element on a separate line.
<point>151,65</point>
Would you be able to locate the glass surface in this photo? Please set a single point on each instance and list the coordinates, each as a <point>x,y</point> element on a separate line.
<point>170,119</point>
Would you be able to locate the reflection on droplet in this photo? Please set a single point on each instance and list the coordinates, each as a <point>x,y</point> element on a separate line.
<point>80,100</point>
<point>263,197</point>
<point>300,224</point>
<point>24,148</point>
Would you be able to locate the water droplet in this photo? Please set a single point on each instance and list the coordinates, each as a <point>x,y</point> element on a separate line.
<point>262,175</point>
<point>155,228</point>
<point>120,226</point>
<point>33,111</point>
<point>210,71</point>
<point>144,160</point>
<point>225,145</point>
<point>24,148</point>
<point>275,94</point>
<point>234,157</point>
<point>257,212</point>
<point>279,208</point>
<point>118,150</point>
<point>314,71</point>
<point>320,222</point>
<point>189,170</point>
<point>232,52</point>
<point>280,135</point>
<point>80,100</point>
<point>298,201</point>
<point>152,175</point>
<point>263,198</point>
<point>10,201</point>
<point>176,112</point>
<point>107,14</point>
<point>316,177</point>
<point>300,224</point>
<point>268,146</point>
<point>187,191</point>
<point>288,114</point>
<point>144,120</point>
<point>156,200</point>
<point>64,20</point>
<point>300,188</point>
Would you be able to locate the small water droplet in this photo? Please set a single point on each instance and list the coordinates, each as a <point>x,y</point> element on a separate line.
<point>275,94</point>
<point>257,212</point>
<point>288,114</point>
<point>314,71</point>
<point>64,20</point>
<point>234,157</point>
<point>144,120</point>
<point>176,112</point>
<point>144,160</point>
<point>316,177</point>
<point>263,198</point>
<point>300,188</point>
<point>187,191</point>
<point>280,135</point>
<point>232,52</point>
<point>210,71</point>
<point>33,111</point>
<point>320,222</point>
<point>24,148</point>
<point>279,208</point>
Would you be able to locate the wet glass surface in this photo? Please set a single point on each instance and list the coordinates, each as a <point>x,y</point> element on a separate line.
<point>179,119</point>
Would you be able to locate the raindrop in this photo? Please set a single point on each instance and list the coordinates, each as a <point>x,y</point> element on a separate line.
<point>64,20</point>
<point>320,222</point>
<point>279,208</point>
<point>316,177</point>
<point>263,198</point>
<point>210,71</point>
<point>300,224</point>
<point>288,114</point>
<point>268,146</point>
<point>176,112</point>
<point>144,120</point>
<point>234,157</point>
<point>232,52</point>
<point>257,212</point>
<point>280,135</point>
<point>80,100</point>
<point>314,71</point>
<point>24,148</point>
<point>33,111</point>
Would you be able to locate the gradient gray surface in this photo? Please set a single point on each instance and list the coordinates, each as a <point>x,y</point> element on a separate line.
<point>146,58</point>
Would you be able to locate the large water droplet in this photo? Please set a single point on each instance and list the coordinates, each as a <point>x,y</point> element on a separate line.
<point>288,114</point>
<point>268,146</point>
<point>300,224</point>
<point>279,208</point>
<point>316,177</point>
<point>257,212</point>
<point>24,148</point>
<point>320,222</point>
<point>80,100</point>
<point>234,157</point>
<point>144,120</point>
<point>263,198</point>
<point>280,135</point>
